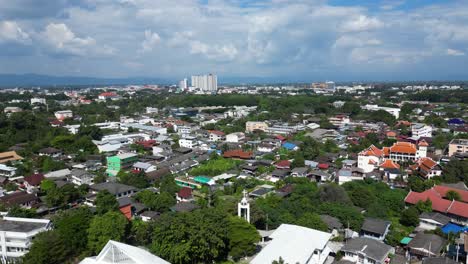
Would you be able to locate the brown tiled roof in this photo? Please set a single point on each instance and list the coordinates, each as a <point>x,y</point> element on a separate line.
<point>238,153</point>
<point>9,156</point>
<point>17,198</point>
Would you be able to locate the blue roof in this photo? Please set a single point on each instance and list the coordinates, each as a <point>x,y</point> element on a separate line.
<point>289,145</point>
<point>453,228</point>
<point>456,121</point>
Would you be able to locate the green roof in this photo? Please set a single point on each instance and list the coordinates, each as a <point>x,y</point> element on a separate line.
<point>202,179</point>
<point>405,240</point>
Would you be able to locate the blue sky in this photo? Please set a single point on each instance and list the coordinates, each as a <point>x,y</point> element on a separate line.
<point>304,40</point>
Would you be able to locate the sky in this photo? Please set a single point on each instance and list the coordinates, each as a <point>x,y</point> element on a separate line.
<point>317,40</point>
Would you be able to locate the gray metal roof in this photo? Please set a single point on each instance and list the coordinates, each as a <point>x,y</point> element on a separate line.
<point>373,249</point>
<point>376,226</point>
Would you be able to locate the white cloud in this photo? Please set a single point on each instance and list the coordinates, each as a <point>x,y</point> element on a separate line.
<point>216,52</point>
<point>61,40</point>
<point>362,23</point>
<point>454,52</point>
<point>10,31</point>
<point>151,40</point>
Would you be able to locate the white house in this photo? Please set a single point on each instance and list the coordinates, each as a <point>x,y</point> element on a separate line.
<point>235,137</point>
<point>295,244</point>
<point>215,135</point>
<point>16,235</point>
<point>7,171</point>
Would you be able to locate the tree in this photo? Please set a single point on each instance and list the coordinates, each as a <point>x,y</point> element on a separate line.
<point>137,180</point>
<point>312,220</point>
<point>158,202</point>
<point>17,211</point>
<point>352,108</point>
<point>47,185</point>
<point>110,226</point>
<point>362,197</point>
<point>55,198</point>
<point>197,237</point>
<point>100,178</point>
<point>242,238</point>
<point>410,217</point>
<point>72,225</point>
<point>453,195</point>
<point>333,193</point>
<point>48,248</point>
<point>106,202</point>
<point>298,161</point>
<point>425,206</point>
<point>91,131</point>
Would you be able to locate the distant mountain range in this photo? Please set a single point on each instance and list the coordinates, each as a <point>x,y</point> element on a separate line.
<point>29,80</point>
<point>14,80</point>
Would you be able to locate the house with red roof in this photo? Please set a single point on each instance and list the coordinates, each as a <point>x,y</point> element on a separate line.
<point>238,154</point>
<point>33,181</point>
<point>283,165</point>
<point>426,168</point>
<point>184,195</point>
<point>456,210</point>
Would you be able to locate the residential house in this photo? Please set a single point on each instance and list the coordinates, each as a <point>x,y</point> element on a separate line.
<point>283,165</point>
<point>33,181</point>
<point>290,146</point>
<point>238,154</point>
<point>148,216</point>
<point>50,152</point>
<point>17,234</point>
<point>366,251</point>
<point>143,167</point>
<point>432,220</point>
<point>235,137</point>
<point>295,244</point>
<point>58,174</point>
<point>216,135</point>
<point>334,225</point>
<point>266,148</point>
<point>375,228</point>
<point>117,189</point>
<point>426,168</point>
<point>185,195</point>
<point>300,172</point>
<point>19,198</point>
<point>426,245</point>
<point>80,177</point>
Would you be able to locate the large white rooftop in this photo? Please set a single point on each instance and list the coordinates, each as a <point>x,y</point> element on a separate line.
<point>294,244</point>
<point>115,252</point>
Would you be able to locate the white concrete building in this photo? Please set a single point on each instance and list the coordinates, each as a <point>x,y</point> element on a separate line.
<point>7,171</point>
<point>188,142</point>
<point>16,235</point>
<point>251,126</point>
<point>393,111</point>
<point>62,115</point>
<point>206,83</point>
<point>235,137</point>
<point>366,251</point>
<point>420,130</point>
<point>37,100</point>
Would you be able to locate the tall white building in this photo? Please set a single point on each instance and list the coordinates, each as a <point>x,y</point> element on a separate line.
<point>206,83</point>
<point>183,84</point>
<point>16,235</point>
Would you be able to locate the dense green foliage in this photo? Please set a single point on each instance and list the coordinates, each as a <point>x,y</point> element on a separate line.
<point>110,226</point>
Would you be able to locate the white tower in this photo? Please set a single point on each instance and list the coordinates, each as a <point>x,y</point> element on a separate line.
<point>243,208</point>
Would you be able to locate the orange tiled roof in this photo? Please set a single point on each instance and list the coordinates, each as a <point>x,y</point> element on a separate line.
<point>372,151</point>
<point>403,147</point>
<point>389,164</point>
